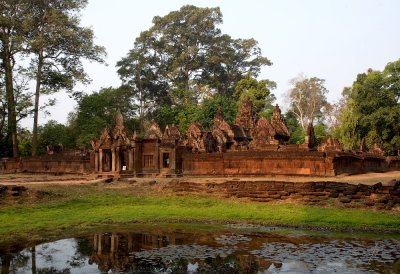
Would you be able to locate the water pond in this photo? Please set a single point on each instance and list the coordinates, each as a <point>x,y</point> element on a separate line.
<point>230,249</point>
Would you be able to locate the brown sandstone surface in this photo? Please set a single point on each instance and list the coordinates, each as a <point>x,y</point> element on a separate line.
<point>37,179</point>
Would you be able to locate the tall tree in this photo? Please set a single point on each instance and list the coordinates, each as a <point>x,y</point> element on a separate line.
<point>97,110</point>
<point>229,60</point>
<point>372,110</point>
<point>259,92</point>
<point>183,54</point>
<point>307,99</point>
<point>59,44</point>
<point>12,24</point>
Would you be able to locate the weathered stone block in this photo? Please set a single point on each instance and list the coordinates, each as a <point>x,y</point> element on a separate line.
<point>383,200</point>
<point>314,193</point>
<point>377,186</point>
<point>312,200</point>
<point>395,192</point>
<point>369,203</point>
<point>3,189</point>
<point>333,195</point>
<point>345,200</point>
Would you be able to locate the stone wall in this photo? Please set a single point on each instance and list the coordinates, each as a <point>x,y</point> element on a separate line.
<point>349,195</point>
<point>55,164</point>
<point>307,163</point>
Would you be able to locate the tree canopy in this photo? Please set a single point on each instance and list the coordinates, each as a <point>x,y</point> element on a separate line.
<point>372,110</point>
<point>49,34</point>
<point>307,99</point>
<point>184,57</point>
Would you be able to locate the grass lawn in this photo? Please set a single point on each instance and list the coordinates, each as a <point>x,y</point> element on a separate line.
<point>78,208</point>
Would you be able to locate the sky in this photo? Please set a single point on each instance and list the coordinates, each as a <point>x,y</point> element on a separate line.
<point>331,39</point>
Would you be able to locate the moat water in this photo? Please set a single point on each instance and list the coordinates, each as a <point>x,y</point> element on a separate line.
<point>218,249</point>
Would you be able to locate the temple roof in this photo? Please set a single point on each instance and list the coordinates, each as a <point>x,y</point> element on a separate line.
<point>153,132</point>
<point>278,124</point>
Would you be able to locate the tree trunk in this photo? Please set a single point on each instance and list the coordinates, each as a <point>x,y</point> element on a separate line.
<point>33,251</point>
<point>36,110</point>
<point>8,71</point>
<point>5,263</point>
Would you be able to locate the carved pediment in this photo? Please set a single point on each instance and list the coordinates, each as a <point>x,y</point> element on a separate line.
<point>172,132</point>
<point>153,132</point>
<point>263,134</point>
<point>119,132</point>
<point>104,142</point>
<point>246,116</point>
<point>220,124</point>
<point>330,144</point>
<point>376,150</point>
<point>171,135</point>
<point>195,137</point>
<point>278,123</point>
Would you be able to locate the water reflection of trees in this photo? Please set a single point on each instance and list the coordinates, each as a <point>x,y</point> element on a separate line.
<point>14,258</point>
<point>116,252</point>
<point>178,252</point>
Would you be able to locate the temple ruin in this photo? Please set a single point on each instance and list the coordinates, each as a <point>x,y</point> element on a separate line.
<point>252,146</point>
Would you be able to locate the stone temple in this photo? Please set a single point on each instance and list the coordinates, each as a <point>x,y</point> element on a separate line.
<point>252,146</point>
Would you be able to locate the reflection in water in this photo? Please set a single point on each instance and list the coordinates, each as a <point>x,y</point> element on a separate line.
<point>222,252</point>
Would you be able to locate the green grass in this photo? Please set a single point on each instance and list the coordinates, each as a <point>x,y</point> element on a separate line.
<point>75,210</point>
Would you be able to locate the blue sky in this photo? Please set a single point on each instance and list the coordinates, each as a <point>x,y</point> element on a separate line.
<point>332,40</point>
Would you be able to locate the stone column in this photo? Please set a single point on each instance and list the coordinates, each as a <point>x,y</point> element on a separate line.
<point>96,161</point>
<point>114,243</point>
<point>157,157</point>
<point>100,244</point>
<point>117,160</point>
<point>100,160</point>
<point>135,158</point>
<point>95,242</point>
<point>130,159</point>
<point>112,159</point>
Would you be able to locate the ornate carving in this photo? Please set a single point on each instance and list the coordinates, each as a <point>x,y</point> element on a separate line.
<point>119,132</point>
<point>246,116</point>
<point>172,132</point>
<point>153,132</point>
<point>263,135</point>
<point>195,137</point>
<point>171,135</point>
<point>222,132</point>
<point>376,150</point>
<point>330,144</point>
<point>282,132</point>
<point>105,139</point>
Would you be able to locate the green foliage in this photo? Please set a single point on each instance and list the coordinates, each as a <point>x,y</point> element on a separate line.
<point>297,133</point>
<point>25,142</point>
<point>97,111</point>
<point>320,131</point>
<point>259,92</point>
<point>307,99</point>
<point>53,133</point>
<point>58,44</point>
<point>204,114</point>
<point>77,208</point>
<point>372,110</point>
<point>210,106</point>
<point>183,58</point>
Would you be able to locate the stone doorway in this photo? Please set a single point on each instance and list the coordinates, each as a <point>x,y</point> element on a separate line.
<point>122,160</point>
<point>106,161</point>
<point>165,160</point>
